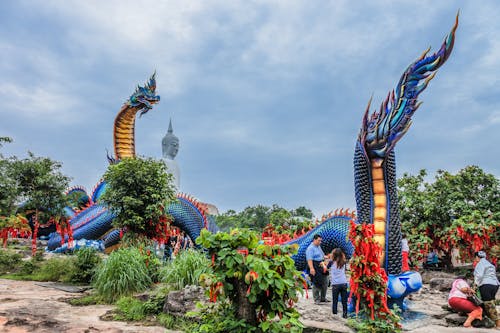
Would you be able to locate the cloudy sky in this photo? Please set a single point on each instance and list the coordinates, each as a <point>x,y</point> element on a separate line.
<point>266,97</point>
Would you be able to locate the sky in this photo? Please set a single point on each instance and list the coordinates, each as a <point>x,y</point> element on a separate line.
<point>266,97</point>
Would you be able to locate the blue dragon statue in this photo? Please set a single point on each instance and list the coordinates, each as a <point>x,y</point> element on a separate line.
<point>374,178</point>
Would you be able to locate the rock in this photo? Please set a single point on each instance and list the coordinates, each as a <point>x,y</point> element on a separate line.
<point>455,319</point>
<point>179,302</point>
<point>428,275</point>
<point>441,284</point>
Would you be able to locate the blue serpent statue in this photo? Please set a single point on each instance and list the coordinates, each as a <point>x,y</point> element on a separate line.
<point>374,179</point>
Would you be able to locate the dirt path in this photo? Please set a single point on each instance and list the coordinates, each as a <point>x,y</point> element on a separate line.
<point>28,307</point>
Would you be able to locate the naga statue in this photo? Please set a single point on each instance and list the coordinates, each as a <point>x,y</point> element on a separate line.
<point>91,221</point>
<point>374,178</point>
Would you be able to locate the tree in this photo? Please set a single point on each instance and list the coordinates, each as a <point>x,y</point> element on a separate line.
<point>461,210</point>
<point>138,191</point>
<point>259,217</point>
<point>7,185</point>
<point>303,212</point>
<point>260,281</point>
<point>40,185</point>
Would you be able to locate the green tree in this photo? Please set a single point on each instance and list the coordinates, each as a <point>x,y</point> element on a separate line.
<point>303,212</point>
<point>39,185</point>
<point>138,190</point>
<point>258,217</point>
<point>461,210</point>
<point>7,185</point>
<point>260,281</point>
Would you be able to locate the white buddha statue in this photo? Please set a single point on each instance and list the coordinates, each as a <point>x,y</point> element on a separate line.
<point>170,147</point>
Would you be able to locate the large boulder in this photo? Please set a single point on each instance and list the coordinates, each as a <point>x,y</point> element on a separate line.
<point>441,284</point>
<point>179,302</point>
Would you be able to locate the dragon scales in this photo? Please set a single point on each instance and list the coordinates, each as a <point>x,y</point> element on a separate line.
<point>374,158</point>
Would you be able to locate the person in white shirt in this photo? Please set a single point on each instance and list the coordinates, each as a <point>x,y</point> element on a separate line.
<point>339,280</point>
<point>405,252</point>
<point>485,278</point>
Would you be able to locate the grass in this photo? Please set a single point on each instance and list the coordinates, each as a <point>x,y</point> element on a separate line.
<point>123,273</point>
<point>185,269</point>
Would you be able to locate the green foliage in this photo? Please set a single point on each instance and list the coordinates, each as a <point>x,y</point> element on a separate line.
<point>172,322</point>
<point>138,190</point>
<point>186,269</point>
<point>87,259</point>
<point>130,309</point>
<point>258,217</point>
<point>58,269</point>
<point>261,286</point>
<point>39,184</point>
<point>362,324</point>
<point>91,299</point>
<point>431,213</point>
<point>9,261</point>
<point>121,274</point>
<point>218,318</point>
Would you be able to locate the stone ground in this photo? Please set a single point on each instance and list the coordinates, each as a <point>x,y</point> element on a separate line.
<point>27,306</point>
<point>427,303</point>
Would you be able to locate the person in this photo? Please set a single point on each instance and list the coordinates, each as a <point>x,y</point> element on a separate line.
<point>317,270</point>
<point>338,280</point>
<point>457,299</point>
<point>432,259</point>
<point>405,251</point>
<point>486,279</point>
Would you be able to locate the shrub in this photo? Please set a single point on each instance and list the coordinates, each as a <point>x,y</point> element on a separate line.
<point>130,309</point>
<point>260,281</point>
<point>86,300</point>
<point>86,261</point>
<point>186,269</point>
<point>54,269</point>
<point>9,261</point>
<point>123,273</point>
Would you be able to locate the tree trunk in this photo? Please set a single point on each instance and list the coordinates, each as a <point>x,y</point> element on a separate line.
<point>246,310</point>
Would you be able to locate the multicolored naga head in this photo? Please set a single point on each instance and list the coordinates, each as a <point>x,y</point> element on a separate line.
<point>381,130</point>
<point>144,97</point>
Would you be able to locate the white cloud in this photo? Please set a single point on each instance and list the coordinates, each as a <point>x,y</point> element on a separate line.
<point>49,103</point>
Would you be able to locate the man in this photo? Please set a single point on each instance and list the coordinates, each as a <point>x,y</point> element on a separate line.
<point>315,257</point>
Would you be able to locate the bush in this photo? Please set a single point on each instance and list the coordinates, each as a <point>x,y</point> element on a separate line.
<point>85,263</point>
<point>123,273</point>
<point>186,269</point>
<point>130,309</point>
<point>9,261</point>
<point>259,281</point>
<point>54,269</point>
<point>86,300</point>
<point>153,263</point>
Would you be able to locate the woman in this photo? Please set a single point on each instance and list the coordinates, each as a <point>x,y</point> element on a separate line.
<point>458,301</point>
<point>486,279</point>
<point>338,280</point>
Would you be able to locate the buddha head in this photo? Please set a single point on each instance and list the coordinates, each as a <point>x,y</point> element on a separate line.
<point>170,143</point>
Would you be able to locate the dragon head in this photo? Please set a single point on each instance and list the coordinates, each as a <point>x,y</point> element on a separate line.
<point>144,97</point>
<point>381,130</point>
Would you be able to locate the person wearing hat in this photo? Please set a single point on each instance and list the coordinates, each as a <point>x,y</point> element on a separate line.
<point>486,279</point>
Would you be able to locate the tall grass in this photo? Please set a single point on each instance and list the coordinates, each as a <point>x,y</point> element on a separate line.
<point>121,274</point>
<point>185,269</point>
<point>54,269</point>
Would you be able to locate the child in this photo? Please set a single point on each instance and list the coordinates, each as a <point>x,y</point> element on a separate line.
<point>339,280</point>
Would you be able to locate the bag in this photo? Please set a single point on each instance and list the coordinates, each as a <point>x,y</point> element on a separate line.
<point>476,300</point>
